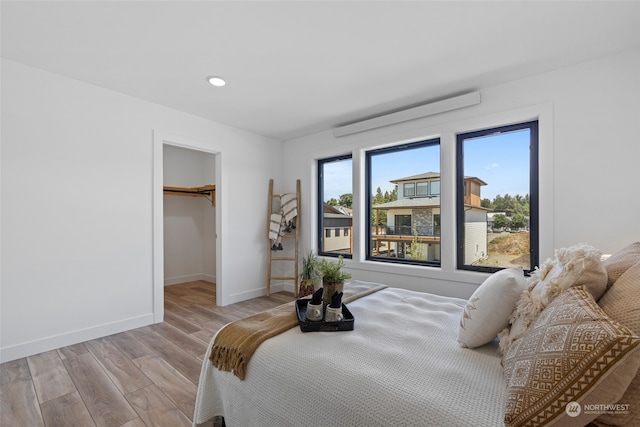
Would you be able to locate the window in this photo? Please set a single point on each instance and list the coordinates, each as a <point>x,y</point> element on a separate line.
<point>435,188</point>
<point>497,201</point>
<point>422,189</point>
<point>345,231</point>
<point>409,190</point>
<point>402,227</point>
<point>335,194</point>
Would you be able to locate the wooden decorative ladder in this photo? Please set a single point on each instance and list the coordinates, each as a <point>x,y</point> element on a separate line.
<point>294,236</point>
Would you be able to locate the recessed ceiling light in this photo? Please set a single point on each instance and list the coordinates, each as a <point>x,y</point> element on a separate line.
<point>216,81</point>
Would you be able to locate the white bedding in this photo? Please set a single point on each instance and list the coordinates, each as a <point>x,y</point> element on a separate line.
<point>400,366</point>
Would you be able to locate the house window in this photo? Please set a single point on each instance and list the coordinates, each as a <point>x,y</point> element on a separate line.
<point>422,189</point>
<point>401,227</point>
<point>409,190</point>
<point>435,188</point>
<point>497,198</point>
<point>346,232</point>
<point>335,197</point>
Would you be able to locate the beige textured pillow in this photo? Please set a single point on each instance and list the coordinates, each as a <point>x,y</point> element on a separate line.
<point>621,261</point>
<point>622,304</point>
<point>578,265</point>
<point>487,310</point>
<point>573,353</point>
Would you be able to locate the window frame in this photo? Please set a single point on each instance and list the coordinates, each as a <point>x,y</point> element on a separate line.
<point>427,185</point>
<point>409,186</point>
<point>534,199</point>
<point>368,154</point>
<point>431,193</point>
<point>320,212</point>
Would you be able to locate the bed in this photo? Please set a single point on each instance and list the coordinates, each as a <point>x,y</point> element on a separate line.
<point>561,347</point>
<point>400,366</point>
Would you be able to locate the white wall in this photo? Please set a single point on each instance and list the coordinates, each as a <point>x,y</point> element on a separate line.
<point>589,150</point>
<point>77,210</point>
<point>189,223</point>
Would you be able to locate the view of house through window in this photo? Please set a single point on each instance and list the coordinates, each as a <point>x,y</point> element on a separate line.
<point>403,200</point>
<point>497,198</point>
<point>335,219</point>
<point>496,209</point>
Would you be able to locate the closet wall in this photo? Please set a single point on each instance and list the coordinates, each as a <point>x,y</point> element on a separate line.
<point>189,222</point>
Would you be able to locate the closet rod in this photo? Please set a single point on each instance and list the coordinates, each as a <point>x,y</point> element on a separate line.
<point>202,192</point>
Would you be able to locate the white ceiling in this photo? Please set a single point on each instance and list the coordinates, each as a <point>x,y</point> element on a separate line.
<point>294,68</point>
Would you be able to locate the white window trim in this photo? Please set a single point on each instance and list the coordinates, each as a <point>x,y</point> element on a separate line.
<point>447,132</point>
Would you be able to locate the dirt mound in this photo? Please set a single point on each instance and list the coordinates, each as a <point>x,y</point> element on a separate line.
<point>510,244</point>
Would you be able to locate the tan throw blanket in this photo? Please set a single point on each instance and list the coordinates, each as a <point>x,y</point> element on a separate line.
<point>236,342</point>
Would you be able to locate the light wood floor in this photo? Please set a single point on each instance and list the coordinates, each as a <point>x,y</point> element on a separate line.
<point>143,377</point>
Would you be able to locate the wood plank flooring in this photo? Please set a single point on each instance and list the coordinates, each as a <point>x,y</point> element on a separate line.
<point>143,377</point>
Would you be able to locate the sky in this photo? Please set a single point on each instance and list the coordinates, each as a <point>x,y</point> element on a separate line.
<point>502,161</point>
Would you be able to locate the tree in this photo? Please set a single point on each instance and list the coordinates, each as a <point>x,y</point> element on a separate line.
<point>518,221</point>
<point>510,205</point>
<point>346,200</point>
<point>391,197</point>
<point>416,249</point>
<point>500,221</point>
<point>332,202</point>
<point>378,199</point>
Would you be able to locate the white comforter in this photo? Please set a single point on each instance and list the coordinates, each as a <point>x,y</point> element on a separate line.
<point>400,366</point>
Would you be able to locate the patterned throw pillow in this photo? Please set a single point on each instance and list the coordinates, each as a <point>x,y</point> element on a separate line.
<point>622,304</point>
<point>572,353</point>
<point>487,310</point>
<point>621,261</point>
<point>578,265</point>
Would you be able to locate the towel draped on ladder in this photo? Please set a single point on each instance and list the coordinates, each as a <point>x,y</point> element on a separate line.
<point>274,227</point>
<point>284,221</point>
<point>289,208</point>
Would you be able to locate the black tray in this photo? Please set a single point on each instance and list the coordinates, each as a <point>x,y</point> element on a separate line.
<point>346,324</point>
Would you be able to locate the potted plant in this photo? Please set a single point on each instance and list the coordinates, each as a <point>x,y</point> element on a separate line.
<point>332,278</point>
<point>309,275</point>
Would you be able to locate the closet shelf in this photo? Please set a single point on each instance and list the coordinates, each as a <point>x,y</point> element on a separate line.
<point>208,191</point>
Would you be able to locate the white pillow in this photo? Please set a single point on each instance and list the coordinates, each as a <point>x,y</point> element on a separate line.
<point>487,311</point>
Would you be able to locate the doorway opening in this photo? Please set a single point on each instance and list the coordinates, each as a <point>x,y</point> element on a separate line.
<point>186,225</point>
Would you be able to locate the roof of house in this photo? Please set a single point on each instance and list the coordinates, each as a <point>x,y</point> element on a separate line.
<point>430,175</point>
<point>419,202</point>
<point>426,175</point>
<point>336,211</point>
<point>414,202</point>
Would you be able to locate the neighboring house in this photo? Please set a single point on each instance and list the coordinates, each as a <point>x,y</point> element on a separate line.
<point>338,227</point>
<point>415,216</point>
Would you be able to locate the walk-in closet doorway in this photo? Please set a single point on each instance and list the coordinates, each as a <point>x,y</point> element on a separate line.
<point>186,219</point>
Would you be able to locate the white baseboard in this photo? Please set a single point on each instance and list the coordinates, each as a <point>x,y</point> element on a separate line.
<point>189,278</point>
<point>255,293</point>
<point>62,340</point>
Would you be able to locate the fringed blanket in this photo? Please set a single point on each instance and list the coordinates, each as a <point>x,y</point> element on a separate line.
<point>275,225</point>
<point>236,342</point>
<point>289,204</point>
